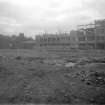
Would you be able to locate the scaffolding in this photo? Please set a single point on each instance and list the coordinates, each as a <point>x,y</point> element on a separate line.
<point>94,34</point>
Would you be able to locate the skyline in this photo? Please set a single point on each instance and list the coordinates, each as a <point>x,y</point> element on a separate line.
<point>37,16</point>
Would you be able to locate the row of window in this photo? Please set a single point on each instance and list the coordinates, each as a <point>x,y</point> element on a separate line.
<point>55,39</point>
<point>90,38</point>
<point>66,44</point>
<point>98,31</point>
<point>94,45</point>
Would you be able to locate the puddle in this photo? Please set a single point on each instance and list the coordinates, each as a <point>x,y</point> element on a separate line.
<point>70,64</point>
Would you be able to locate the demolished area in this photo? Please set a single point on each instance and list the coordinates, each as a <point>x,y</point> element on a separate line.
<point>52,79</point>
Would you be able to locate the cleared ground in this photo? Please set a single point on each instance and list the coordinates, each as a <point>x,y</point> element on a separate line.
<point>30,76</point>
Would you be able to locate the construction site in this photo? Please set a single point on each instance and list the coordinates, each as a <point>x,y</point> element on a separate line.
<point>92,36</point>
<point>68,68</point>
<point>88,36</point>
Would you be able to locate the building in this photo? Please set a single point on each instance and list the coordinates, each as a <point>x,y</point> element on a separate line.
<point>86,38</point>
<point>92,36</point>
<point>28,44</point>
<point>100,34</point>
<point>57,41</point>
<point>89,36</point>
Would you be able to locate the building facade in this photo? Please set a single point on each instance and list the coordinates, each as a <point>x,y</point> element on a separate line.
<point>57,41</point>
<point>93,36</point>
<point>90,36</point>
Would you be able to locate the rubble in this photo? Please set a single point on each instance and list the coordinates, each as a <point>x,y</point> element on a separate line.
<point>98,60</point>
<point>83,61</point>
<point>97,78</point>
<point>92,78</point>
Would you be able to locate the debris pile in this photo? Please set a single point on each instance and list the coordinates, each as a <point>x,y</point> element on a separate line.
<point>84,61</point>
<point>99,60</point>
<point>97,79</point>
<point>92,78</point>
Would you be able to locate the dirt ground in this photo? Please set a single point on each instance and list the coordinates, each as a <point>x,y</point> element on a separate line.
<point>30,76</point>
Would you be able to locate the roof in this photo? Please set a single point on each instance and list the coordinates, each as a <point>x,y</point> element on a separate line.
<point>29,42</point>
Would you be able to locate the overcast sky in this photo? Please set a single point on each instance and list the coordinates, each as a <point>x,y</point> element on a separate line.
<point>36,16</point>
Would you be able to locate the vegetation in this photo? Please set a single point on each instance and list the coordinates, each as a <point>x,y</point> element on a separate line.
<point>13,42</point>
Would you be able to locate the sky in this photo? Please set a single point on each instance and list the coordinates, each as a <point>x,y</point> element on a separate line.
<point>37,16</point>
